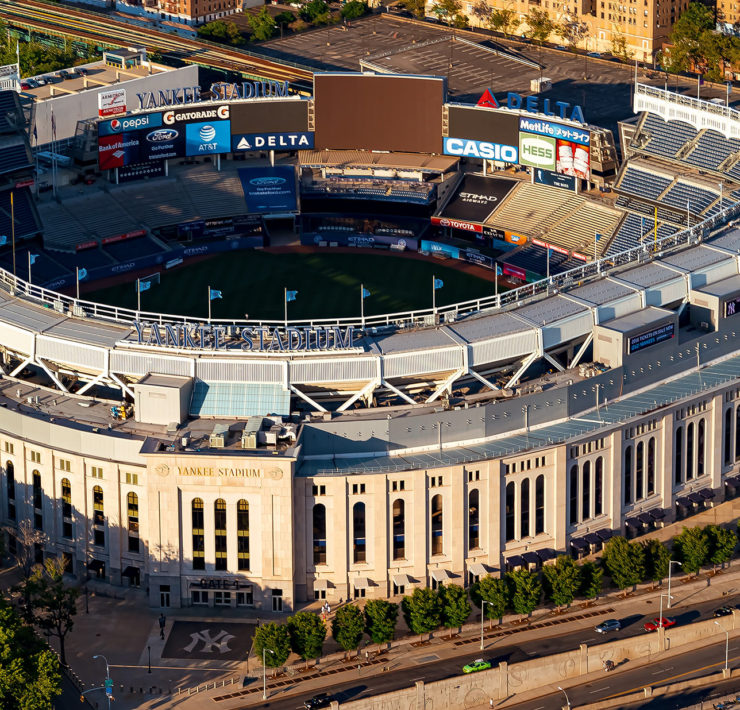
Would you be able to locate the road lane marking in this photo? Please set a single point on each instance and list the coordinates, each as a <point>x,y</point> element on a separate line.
<point>598,690</point>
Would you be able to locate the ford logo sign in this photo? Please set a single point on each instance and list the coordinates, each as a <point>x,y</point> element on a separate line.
<point>161,135</point>
<point>267,181</point>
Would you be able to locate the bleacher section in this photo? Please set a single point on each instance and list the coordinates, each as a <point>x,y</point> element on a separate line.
<point>132,248</point>
<point>711,150</point>
<point>683,195</point>
<point>577,231</point>
<point>638,181</point>
<point>23,212</point>
<point>642,208</point>
<point>101,216</point>
<point>14,154</point>
<point>629,234</point>
<point>61,230</point>
<point>147,205</point>
<point>662,138</point>
<point>534,258</point>
<point>214,194</point>
<point>11,112</point>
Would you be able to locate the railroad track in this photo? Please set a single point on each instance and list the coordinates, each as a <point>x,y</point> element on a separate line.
<point>102,29</point>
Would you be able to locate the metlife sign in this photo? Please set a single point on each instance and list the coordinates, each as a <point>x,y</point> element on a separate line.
<point>537,151</point>
<point>271,141</point>
<point>481,149</point>
<point>557,131</point>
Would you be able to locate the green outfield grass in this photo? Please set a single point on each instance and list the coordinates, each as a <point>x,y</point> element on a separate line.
<point>328,285</point>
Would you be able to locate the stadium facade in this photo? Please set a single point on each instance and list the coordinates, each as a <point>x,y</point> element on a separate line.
<point>494,434</point>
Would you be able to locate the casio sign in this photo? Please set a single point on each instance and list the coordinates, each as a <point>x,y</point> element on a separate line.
<point>162,135</point>
<point>481,149</point>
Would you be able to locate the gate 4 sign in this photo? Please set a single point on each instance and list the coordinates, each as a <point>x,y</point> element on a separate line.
<point>537,151</point>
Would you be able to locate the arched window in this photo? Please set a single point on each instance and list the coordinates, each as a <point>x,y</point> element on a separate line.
<point>242,535</point>
<point>437,540</point>
<point>510,532</point>
<point>586,491</point>
<point>640,471</point>
<point>524,508</point>
<point>199,540</point>
<point>651,466</point>
<point>10,487</point>
<point>219,533</point>
<point>690,451</point>
<point>700,440</point>
<point>98,517</point>
<point>473,520</point>
<point>573,514</point>
<point>599,486</point>
<point>678,456</point>
<point>399,529</point>
<point>627,465</point>
<point>358,529</point>
<point>727,437</point>
<point>37,490</point>
<point>132,509</point>
<point>539,505</point>
<point>319,534</point>
<point>67,509</point>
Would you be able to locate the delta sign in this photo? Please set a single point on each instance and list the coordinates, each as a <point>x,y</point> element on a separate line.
<point>517,102</point>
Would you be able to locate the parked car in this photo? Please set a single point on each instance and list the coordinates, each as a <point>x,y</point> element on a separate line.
<point>322,700</point>
<point>478,664</point>
<point>40,80</point>
<point>593,54</point>
<point>63,74</point>
<point>656,623</point>
<point>79,71</point>
<point>609,625</point>
<point>25,86</point>
<point>32,83</point>
<point>723,611</point>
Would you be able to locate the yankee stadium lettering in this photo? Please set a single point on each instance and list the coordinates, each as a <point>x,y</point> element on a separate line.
<point>257,339</point>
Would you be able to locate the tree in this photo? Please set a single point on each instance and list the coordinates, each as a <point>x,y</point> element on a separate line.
<point>422,611</point>
<point>307,634</point>
<point>624,562</point>
<point>283,19</point>
<point>274,640</point>
<point>619,46</point>
<point>262,25</point>
<point>691,547</point>
<point>29,669</point>
<point>504,20</point>
<point>416,7</point>
<point>657,560</point>
<point>722,544</point>
<point>572,32</point>
<point>54,604</point>
<point>447,10</point>
<point>222,31</point>
<point>348,627</point>
<point>562,580</point>
<point>353,9</point>
<point>495,592</point>
<point>316,11</point>
<point>380,620</point>
<point>525,590</point>
<point>455,606</point>
<point>27,542</point>
<point>539,25</point>
<point>688,37</point>
<point>591,578</point>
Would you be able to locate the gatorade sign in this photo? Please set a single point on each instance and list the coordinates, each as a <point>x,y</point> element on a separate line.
<point>537,151</point>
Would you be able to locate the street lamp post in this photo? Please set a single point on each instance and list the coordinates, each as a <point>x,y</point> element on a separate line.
<point>264,672</point>
<point>660,616</point>
<point>565,694</point>
<point>482,615</point>
<point>108,682</point>
<point>727,645</point>
<point>670,568</point>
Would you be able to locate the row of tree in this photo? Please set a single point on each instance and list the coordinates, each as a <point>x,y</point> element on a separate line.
<point>520,591</point>
<point>264,25</point>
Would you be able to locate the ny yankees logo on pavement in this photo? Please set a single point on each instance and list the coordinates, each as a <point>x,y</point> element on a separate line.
<point>219,641</point>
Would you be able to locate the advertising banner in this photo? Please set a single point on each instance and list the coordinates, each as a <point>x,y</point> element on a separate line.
<point>366,241</point>
<point>573,159</point>
<point>651,337</point>
<point>111,103</point>
<point>477,197</point>
<point>117,151</point>
<point>271,141</point>
<point>537,151</point>
<point>269,116</point>
<point>732,307</point>
<point>476,123</point>
<point>547,177</point>
<point>208,138</point>
<point>440,248</point>
<point>558,131</point>
<point>477,258</point>
<point>514,238</point>
<point>457,224</point>
<point>514,271</point>
<point>138,171</point>
<point>117,126</point>
<point>269,189</point>
<point>465,148</point>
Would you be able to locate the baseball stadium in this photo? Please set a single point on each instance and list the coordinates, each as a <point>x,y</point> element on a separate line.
<point>461,337</point>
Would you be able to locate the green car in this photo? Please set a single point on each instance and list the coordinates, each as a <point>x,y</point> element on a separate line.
<point>477,665</point>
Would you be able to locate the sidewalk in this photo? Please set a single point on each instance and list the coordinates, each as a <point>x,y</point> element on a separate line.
<point>129,632</point>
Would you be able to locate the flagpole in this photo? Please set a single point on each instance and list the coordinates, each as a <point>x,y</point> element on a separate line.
<point>285,303</point>
<point>548,263</point>
<point>495,281</point>
<point>138,294</point>
<point>77,273</point>
<point>362,305</point>
<point>12,228</point>
<point>434,294</point>
<point>29,267</point>
<point>656,223</point>
<point>209,304</point>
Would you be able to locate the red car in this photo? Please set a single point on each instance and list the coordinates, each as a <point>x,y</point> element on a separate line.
<point>656,623</point>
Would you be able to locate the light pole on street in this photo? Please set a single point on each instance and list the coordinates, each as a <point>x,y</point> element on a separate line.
<point>264,672</point>
<point>670,569</point>
<point>482,616</point>
<point>727,645</point>
<point>660,616</point>
<point>107,685</point>
<point>565,694</point>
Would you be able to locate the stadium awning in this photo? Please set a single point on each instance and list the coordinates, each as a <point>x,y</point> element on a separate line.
<point>515,561</point>
<point>706,494</point>
<point>579,543</point>
<point>440,575</point>
<point>478,569</point>
<point>605,534</point>
<point>592,538</point>
<point>531,558</point>
<point>657,514</point>
<point>645,518</point>
<point>696,497</point>
<point>321,585</point>
<point>361,583</point>
<point>97,565</point>
<point>547,554</point>
<point>402,580</point>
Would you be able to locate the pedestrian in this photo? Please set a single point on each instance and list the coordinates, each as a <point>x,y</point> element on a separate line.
<point>490,703</point>
<point>162,622</point>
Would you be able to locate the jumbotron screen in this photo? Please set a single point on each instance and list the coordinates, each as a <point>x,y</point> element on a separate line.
<point>379,112</point>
